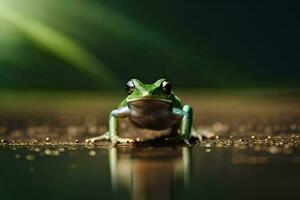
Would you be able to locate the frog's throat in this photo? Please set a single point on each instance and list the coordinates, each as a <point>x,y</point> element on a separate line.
<point>149,98</point>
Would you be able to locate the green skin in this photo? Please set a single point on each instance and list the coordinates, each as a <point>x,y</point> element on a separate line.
<point>148,106</point>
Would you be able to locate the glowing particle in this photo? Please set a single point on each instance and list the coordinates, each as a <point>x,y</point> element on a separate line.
<point>207,150</point>
<point>92,153</point>
<point>30,157</point>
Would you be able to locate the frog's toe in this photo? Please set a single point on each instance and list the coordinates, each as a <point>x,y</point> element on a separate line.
<point>198,137</point>
<point>203,134</point>
<point>117,139</point>
<point>207,134</point>
<point>91,140</point>
<point>99,138</point>
<point>125,140</point>
<point>88,140</point>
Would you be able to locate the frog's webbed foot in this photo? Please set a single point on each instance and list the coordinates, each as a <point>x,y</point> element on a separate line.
<point>105,136</point>
<point>116,139</point>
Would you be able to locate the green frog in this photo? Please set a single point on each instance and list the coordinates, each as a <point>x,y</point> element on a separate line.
<point>153,107</point>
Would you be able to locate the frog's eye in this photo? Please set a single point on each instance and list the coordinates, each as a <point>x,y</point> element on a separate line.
<point>129,87</point>
<point>166,87</point>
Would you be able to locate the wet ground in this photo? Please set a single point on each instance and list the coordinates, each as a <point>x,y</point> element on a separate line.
<point>255,154</point>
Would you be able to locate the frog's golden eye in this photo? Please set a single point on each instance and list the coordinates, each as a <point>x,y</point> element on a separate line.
<point>130,87</point>
<point>166,87</point>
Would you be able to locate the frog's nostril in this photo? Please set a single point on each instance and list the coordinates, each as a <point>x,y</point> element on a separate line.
<point>146,93</point>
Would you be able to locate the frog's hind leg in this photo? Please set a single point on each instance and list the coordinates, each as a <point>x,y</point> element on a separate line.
<point>196,134</point>
<point>202,134</point>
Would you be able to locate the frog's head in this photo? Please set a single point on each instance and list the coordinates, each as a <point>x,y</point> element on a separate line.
<point>161,90</point>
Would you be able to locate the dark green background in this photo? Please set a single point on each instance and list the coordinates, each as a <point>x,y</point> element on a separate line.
<point>193,43</point>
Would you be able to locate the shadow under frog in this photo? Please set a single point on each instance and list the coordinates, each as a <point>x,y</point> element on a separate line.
<point>149,172</point>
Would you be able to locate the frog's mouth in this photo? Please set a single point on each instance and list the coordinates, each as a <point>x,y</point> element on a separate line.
<point>149,99</point>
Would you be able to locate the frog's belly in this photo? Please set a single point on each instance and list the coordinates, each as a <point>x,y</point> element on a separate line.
<point>154,120</point>
<point>152,114</point>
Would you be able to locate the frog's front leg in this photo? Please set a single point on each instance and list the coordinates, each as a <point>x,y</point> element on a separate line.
<point>186,123</point>
<point>113,134</point>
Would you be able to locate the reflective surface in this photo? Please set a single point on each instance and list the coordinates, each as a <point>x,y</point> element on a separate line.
<point>80,172</point>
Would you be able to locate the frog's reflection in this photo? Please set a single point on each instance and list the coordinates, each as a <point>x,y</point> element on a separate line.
<point>148,172</point>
